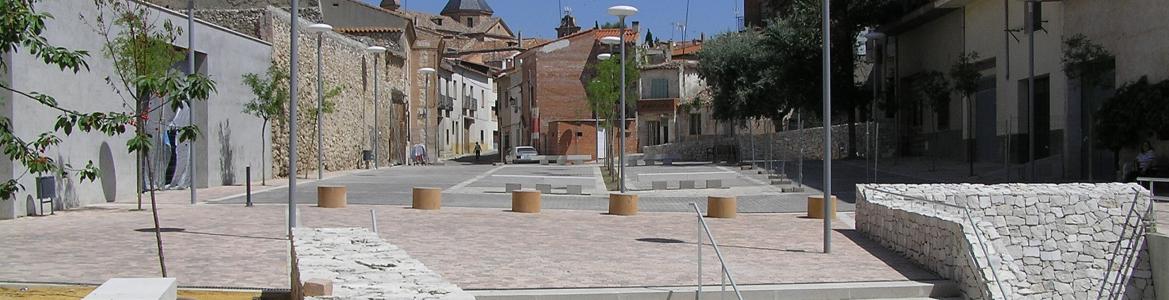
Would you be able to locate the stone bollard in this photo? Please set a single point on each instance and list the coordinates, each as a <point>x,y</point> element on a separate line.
<point>816,207</point>
<point>622,204</point>
<point>318,288</point>
<point>427,198</point>
<point>331,196</point>
<point>721,207</point>
<point>525,201</point>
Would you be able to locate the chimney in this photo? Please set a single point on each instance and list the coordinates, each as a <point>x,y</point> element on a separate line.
<point>636,26</point>
<point>670,51</point>
<point>702,37</point>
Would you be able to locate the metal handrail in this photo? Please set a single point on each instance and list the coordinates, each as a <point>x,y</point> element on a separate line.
<point>1152,187</point>
<point>725,270</point>
<point>1127,257</point>
<point>977,234</point>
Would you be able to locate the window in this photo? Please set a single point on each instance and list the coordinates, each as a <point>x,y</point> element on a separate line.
<point>695,124</point>
<point>471,22</point>
<point>659,88</point>
<point>482,99</point>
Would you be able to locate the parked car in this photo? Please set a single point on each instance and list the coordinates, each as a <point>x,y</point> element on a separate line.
<point>522,154</point>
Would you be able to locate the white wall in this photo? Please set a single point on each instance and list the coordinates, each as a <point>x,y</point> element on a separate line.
<point>483,90</point>
<point>229,55</point>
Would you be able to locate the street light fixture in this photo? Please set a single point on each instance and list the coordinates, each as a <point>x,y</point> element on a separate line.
<point>376,51</point>
<point>604,56</point>
<point>426,72</point>
<point>622,11</point>
<point>320,30</point>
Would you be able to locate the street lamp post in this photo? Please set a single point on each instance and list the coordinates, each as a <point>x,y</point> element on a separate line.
<point>320,30</point>
<point>426,72</point>
<point>376,51</point>
<point>827,128</point>
<point>190,104</point>
<point>597,114</point>
<point>293,75</point>
<point>622,11</point>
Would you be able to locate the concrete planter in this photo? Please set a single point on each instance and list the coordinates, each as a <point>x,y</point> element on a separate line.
<point>7,209</point>
<point>1159,257</point>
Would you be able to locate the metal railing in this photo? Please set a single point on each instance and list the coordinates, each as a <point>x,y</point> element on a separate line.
<point>726,273</point>
<point>1127,253</point>
<point>1152,181</point>
<point>965,213</point>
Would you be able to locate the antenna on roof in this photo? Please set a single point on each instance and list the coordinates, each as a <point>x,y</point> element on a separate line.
<point>567,10</point>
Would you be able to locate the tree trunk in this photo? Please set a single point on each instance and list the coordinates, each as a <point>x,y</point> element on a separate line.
<point>263,145</point>
<point>154,213</point>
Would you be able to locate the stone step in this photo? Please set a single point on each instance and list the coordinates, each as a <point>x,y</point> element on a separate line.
<point>849,290</point>
<point>780,181</point>
<point>792,189</point>
<point>777,176</point>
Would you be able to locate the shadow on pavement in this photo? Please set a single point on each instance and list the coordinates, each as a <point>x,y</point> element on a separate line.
<point>900,264</point>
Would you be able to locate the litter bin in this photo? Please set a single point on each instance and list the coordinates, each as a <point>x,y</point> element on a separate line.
<point>366,157</point>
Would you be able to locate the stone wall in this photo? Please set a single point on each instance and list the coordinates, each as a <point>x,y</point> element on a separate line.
<point>1044,241</point>
<point>786,145</point>
<point>358,264</point>
<point>349,129</point>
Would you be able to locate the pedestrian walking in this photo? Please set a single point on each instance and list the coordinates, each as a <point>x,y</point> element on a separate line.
<point>478,150</point>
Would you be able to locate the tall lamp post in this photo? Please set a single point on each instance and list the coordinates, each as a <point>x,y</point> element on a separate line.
<point>190,104</point>
<point>426,72</point>
<point>320,30</point>
<point>622,11</point>
<point>293,75</point>
<point>827,48</point>
<point>377,141</point>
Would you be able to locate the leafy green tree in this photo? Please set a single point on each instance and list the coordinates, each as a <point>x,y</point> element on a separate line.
<point>932,89</point>
<point>1089,63</point>
<point>271,91</point>
<point>327,107</point>
<point>604,91</point>
<point>1138,111</point>
<point>649,38</point>
<point>144,55</point>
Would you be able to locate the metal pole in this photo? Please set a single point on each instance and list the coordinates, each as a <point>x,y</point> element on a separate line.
<point>248,178</point>
<point>698,296</point>
<point>294,74</point>
<point>373,219</point>
<point>426,116</point>
<point>621,167</point>
<point>320,111</point>
<point>190,104</point>
<point>803,145</point>
<point>1031,91</point>
<point>827,129</point>
<point>377,137</point>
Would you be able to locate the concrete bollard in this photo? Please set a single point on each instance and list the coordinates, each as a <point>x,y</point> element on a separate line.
<point>525,201</point>
<point>427,198</point>
<point>331,196</point>
<point>816,207</point>
<point>622,204</point>
<point>721,207</point>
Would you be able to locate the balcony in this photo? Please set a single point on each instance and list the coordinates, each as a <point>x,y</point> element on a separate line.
<point>446,103</point>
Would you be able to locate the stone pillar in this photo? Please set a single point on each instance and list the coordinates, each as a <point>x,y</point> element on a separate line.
<point>331,196</point>
<point>427,198</point>
<point>721,207</point>
<point>622,204</point>
<point>525,201</point>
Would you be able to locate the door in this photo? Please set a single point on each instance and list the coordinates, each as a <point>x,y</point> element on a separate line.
<point>985,125</point>
<point>601,143</point>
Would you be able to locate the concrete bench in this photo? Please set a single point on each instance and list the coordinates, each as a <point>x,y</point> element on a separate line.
<point>660,181</point>
<point>573,184</point>
<point>136,289</point>
<point>578,158</point>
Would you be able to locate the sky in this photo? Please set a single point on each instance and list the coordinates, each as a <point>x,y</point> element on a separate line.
<point>539,18</point>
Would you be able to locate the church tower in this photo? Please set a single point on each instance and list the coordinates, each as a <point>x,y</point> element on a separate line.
<point>468,12</point>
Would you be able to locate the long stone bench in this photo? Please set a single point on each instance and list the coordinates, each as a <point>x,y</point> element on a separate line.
<point>354,263</point>
<point>660,181</point>
<point>573,184</point>
<point>651,159</point>
<point>135,289</point>
<point>575,159</point>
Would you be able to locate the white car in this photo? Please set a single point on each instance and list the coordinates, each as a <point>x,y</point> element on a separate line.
<point>522,154</point>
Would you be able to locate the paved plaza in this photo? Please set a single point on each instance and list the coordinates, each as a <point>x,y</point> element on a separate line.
<point>476,248</point>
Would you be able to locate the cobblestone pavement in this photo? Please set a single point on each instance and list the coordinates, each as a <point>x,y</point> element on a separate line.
<point>476,248</point>
<point>474,185</point>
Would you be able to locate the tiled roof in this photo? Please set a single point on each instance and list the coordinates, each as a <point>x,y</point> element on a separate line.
<point>368,29</point>
<point>467,6</point>
<point>630,35</point>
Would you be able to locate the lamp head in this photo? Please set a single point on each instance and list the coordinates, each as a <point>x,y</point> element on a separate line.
<point>604,56</point>
<point>426,71</point>
<point>610,40</point>
<point>319,28</point>
<point>375,49</point>
<point>622,10</point>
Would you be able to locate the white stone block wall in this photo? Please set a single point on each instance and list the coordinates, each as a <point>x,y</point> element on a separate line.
<point>361,265</point>
<point>1046,241</point>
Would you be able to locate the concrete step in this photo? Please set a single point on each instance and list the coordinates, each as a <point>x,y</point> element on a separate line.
<point>850,290</point>
<point>777,176</point>
<point>792,189</point>
<point>780,182</point>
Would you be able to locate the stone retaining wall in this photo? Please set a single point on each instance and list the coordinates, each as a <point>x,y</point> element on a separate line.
<point>1044,241</point>
<point>360,265</point>
<point>786,145</point>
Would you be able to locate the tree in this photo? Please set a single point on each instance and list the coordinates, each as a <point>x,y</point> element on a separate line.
<point>604,90</point>
<point>965,75</point>
<point>932,89</point>
<point>327,107</point>
<point>271,92</point>
<point>1139,110</point>
<point>649,38</point>
<point>144,55</point>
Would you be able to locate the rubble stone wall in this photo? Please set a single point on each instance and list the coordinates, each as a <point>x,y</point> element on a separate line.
<point>785,145</point>
<point>1049,241</point>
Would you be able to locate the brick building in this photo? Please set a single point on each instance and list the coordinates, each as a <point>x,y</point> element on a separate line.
<point>552,106</point>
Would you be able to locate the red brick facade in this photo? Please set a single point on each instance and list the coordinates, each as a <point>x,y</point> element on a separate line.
<point>554,103</point>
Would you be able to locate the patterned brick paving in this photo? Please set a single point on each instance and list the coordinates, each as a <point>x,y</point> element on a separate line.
<point>476,248</point>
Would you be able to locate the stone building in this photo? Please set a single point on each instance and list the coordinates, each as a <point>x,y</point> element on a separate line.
<point>999,120</point>
<point>467,109</point>
<point>228,139</point>
<point>554,116</point>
